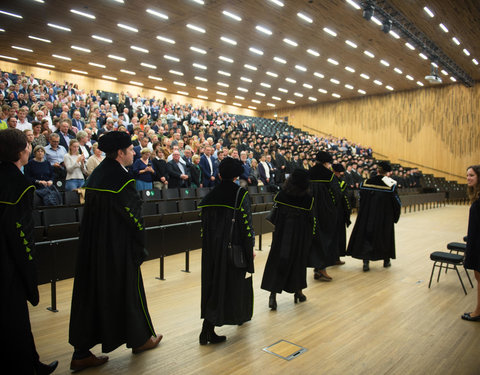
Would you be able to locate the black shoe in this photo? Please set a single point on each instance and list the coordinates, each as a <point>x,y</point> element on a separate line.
<point>272,302</point>
<point>386,263</point>
<point>299,297</point>
<point>470,318</point>
<point>210,337</point>
<point>43,369</point>
<point>366,266</point>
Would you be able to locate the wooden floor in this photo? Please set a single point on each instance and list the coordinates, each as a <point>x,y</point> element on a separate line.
<point>385,321</point>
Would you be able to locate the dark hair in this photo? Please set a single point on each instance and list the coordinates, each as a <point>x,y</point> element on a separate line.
<point>292,188</point>
<point>12,142</point>
<point>474,191</point>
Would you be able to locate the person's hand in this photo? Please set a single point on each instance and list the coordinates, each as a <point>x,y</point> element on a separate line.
<point>44,183</point>
<point>49,183</point>
<point>57,165</point>
<point>254,254</point>
<point>212,178</point>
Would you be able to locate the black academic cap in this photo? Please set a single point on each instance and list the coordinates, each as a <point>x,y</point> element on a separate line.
<point>300,178</point>
<point>113,141</point>
<point>230,168</point>
<point>385,165</point>
<point>338,168</point>
<point>324,157</point>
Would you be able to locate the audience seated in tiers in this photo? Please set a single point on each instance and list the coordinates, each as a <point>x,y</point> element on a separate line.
<point>189,141</point>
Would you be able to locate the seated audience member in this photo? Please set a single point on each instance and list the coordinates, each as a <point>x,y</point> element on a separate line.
<point>178,174</point>
<point>82,138</point>
<point>54,153</point>
<point>143,171</point>
<point>65,133</point>
<point>39,139</point>
<point>38,170</point>
<point>75,166</point>
<point>159,165</point>
<point>95,159</point>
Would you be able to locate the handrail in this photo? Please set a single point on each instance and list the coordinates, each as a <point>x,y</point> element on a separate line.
<point>433,169</point>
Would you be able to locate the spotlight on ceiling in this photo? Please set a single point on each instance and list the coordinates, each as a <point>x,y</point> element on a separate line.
<point>368,10</point>
<point>433,77</point>
<point>387,26</point>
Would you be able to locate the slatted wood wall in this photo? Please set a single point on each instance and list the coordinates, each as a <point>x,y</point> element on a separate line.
<point>437,127</point>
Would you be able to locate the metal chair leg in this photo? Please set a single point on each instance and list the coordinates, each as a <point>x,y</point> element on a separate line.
<point>460,278</point>
<point>431,275</point>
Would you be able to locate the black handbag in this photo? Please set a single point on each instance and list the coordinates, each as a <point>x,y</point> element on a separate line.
<point>236,253</point>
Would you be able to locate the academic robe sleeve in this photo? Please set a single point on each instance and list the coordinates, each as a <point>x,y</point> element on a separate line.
<point>247,233</point>
<point>397,206</point>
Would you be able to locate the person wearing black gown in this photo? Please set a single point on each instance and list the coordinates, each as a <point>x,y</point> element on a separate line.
<point>18,273</point>
<point>108,302</point>
<point>326,191</point>
<point>344,211</point>
<point>472,252</point>
<point>227,296</point>
<point>373,236</point>
<point>286,267</point>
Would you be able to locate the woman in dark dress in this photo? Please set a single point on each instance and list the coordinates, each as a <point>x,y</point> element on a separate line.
<point>38,170</point>
<point>286,267</point>
<point>196,173</point>
<point>472,252</point>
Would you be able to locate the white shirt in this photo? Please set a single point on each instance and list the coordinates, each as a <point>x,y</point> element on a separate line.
<point>25,125</point>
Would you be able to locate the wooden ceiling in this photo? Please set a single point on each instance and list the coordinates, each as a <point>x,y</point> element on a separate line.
<point>307,73</point>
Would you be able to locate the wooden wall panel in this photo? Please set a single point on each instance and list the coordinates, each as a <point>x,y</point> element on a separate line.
<point>88,83</point>
<point>436,128</point>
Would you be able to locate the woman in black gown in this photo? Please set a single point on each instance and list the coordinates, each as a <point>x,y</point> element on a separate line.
<point>286,267</point>
<point>472,252</point>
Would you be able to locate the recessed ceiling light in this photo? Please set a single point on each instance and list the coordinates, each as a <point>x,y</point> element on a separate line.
<point>410,46</point>
<point>198,50</point>
<point>251,67</point>
<point>40,39</point>
<point>307,85</point>
<point>313,52</point>
<point>203,79</point>
<point>246,79</point>
<point>182,93</point>
<point>271,104</point>
<point>237,104</point>
<point>79,71</point>
<point>335,81</point>
<point>83,14</point>
<point>55,26</point>
<point>201,88</point>
<point>301,68</point>
<point>354,4</point>
<point>259,93</point>
<point>251,106</point>
<point>227,59</point>
<point>196,28</point>
<point>351,44</point>
<point>62,57</point>
<point>157,14</point>
<point>420,83</point>
<point>456,41</point>
<point>201,2</point>
<point>282,89</point>
<point>155,78</point>
<point>444,72</point>
<point>276,98</point>
<point>272,74</point>
<point>336,95</point>
<point>81,49</point>
<point>115,57</point>
<point>453,79</point>
<point>369,54</point>
<point>264,84</point>
<point>291,80</point>
<point>319,75</point>
<point>280,60</point>
<point>263,30</point>
<point>202,97</point>
<point>223,73</point>
<point>384,62</point>
<point>242,89</point>
<point>101,38</point>
<point>232,15</point>
<point>350,69</point>
<point>434,64</point>
<point>140,49</point>
<point>179,83</point>
<point>409,77</point>
<point>161,88</point>
<point>429,12</point>
<point>277,2</point>
<point>172,58</point>
<point>377,21</point>
<point>97,65</point>
<point>350,87</point>
<point>239,97</point>
<point>332,61</point>
<point>423,56</point>
<point>146,65</point>
<point>228,40</point>
<point>136,83</point>
<point>300,95</point>
<point>127,72</point>
<point>165,39</point>
<point>256,51</point>
<point>126,27</point>
<point>364,76</point>
<point>394,34</point>
<point>329,31</point>
<point>109,77</point>
<point>222,93</point>
<point>22,49</point>
<point>323,91</point>
<point>363,92</point>
<point>45,65</point>
<point>256,101</point>
<point>388,87</point>
<point>223,84</point>
<point>290,42</point>
<point>290,102</point>
<point>10,14</point>
<point>176,72</point>
<point>466,52</point>
<point>377,82</point>
<point>304,17</point>
<point>397,70</point>
<point>313,99</point>
<point>443,27</point>
<point>475,61</point>
<point>199,66</point>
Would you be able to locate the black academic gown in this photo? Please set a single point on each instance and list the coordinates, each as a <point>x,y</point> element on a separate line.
<point>18,273</point>
<point>343,219</point>
<point>286,267</point>
<point>108,303</point>
<point>326,191</point>
<point>472,252</point>
<point>373,236</point>
<point>225,294</point>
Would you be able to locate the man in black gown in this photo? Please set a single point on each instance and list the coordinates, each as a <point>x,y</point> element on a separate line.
<point>227,296</point>
<point>108,303</point>
<point>18,273</point>
<point>373,236</point>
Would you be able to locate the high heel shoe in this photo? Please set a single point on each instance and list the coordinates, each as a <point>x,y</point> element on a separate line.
<point>210,337</point>
<point>272,302</point>
<point>299,297</point>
